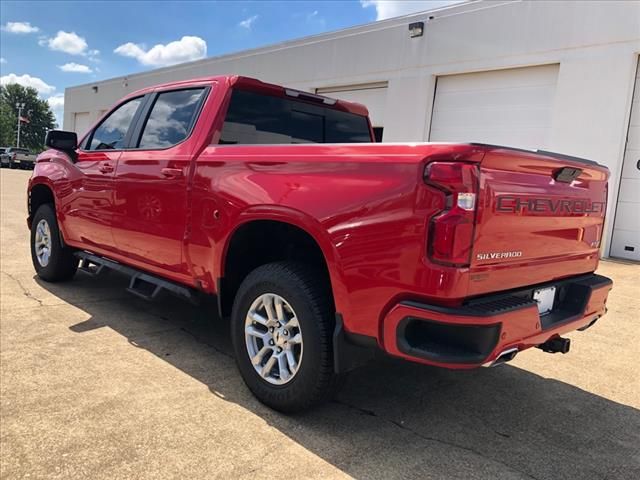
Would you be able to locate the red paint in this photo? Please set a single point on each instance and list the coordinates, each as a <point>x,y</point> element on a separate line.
<point>172,212</point>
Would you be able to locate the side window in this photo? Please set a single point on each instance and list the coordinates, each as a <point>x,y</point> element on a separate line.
<point>171,119</point>
<point>111,133</point>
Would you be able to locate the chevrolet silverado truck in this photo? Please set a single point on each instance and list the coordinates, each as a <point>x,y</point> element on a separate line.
<point>320,246</point>
<point>14,157</point>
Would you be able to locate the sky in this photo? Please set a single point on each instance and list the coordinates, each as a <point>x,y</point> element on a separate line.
<point>51,45</point>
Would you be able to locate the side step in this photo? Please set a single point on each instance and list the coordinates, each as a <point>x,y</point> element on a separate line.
<point>142,284</point>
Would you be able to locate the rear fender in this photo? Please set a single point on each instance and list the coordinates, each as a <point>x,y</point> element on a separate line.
<point>304,222</point>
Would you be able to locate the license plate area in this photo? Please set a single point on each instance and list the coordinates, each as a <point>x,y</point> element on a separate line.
<point>545,298</point>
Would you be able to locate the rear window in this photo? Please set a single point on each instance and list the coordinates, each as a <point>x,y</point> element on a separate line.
<point>254,118</point>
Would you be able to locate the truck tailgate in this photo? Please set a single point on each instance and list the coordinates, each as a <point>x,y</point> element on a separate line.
<point>536,210</point>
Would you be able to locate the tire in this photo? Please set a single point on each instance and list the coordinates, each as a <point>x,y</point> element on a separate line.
<point>303,291</point>
<point>61,264</point>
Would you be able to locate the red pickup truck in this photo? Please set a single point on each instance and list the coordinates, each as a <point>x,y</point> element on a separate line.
<point>320,245</point>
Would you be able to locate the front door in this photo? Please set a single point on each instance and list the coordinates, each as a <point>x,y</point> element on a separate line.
<point>149,224</point>
<point>88,209</point>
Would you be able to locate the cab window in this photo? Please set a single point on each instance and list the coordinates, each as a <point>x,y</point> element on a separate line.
<point>111,133</point>
<point>171,118</point>
<point>255,118</point>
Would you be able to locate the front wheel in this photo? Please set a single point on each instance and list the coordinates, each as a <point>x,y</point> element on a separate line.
<point>52,261</point>
<point>282,326</point>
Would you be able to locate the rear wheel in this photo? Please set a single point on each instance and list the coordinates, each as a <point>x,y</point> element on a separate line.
<point>52,261</point>
<point>282,325</point>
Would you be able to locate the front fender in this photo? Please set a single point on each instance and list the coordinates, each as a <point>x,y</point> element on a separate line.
<point>52,172</point>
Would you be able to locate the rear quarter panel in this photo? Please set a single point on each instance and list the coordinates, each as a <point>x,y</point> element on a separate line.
<point>366,206</point>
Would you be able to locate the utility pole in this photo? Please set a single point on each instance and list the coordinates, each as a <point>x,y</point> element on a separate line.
<point>19,106</point>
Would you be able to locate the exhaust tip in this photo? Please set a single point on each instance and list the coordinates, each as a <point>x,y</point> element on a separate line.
<point>504,357</point>
<point>556,345</point>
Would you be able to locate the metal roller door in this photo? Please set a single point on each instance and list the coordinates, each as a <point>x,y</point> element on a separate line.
<point>625,241</point>
<point>510,107</point>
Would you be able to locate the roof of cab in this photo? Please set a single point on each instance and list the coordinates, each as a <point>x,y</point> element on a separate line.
<point>256,85</point>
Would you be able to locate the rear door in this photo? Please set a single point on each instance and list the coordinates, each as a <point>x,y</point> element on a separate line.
<point>89,208</point>
<point>151,181</point>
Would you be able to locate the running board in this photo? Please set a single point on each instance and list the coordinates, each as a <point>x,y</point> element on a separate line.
<point>142,284</point>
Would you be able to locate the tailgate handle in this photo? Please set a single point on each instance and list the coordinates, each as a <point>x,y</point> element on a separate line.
<point>566,174</point>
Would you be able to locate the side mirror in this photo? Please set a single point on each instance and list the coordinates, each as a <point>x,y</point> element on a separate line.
<point>61,140</point>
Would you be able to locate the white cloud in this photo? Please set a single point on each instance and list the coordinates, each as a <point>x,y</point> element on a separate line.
<point>56,103</point>
<point>92,55</point>
<point>3,60</point>
<point>248,22</point>
<point>75,68</point>
<point>184,50</point>
<point>391,8</point>
<point>27,80</point>
<point>20,27</point>
<point>68,42</point>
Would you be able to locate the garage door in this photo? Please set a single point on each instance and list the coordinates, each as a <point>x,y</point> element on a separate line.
<point>372,95</point>
<point>625,242</point>
<point>510,107</point>
<point>81,122</point>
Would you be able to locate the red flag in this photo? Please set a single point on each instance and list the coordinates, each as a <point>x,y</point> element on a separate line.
<point>24,120</point>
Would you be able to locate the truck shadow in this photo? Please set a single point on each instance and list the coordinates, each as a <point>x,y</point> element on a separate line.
<point>393,419</point>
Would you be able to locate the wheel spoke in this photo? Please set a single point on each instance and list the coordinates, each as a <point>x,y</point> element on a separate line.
<point>283,371</point>
<point>279,309</point>
<point>256,317</point>
<point>268,366</point>
<point>292,323</point>
<point>254,332</point>
<point>268,307</point>
<point>296,339</point>
<point>291,359</point>
<point>258,357</point>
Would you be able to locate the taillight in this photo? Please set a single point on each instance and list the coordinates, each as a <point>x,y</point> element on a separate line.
<point>451,230</point>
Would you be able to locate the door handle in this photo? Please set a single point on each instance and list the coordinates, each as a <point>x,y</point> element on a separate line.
<point>106,168</point>
<point>172,172</point>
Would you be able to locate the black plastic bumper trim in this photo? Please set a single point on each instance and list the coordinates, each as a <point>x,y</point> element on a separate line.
<point>447,342</point>
<point>423,337</point>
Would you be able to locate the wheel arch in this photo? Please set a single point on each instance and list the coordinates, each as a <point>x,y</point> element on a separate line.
<point>306,232</point>
<point>40,193</point>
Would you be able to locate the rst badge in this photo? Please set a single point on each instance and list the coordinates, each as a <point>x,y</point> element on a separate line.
<point>498,255</point>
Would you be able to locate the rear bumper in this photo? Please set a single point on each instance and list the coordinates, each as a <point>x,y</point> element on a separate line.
<point>477,332</point>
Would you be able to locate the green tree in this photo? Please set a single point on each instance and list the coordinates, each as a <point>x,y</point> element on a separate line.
<point>38,112</point>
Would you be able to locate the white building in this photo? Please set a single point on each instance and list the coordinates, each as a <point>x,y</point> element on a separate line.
<point>550,75</point>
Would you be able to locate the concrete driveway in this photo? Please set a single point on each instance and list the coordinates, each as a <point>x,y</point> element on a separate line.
<point>96,383</point>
